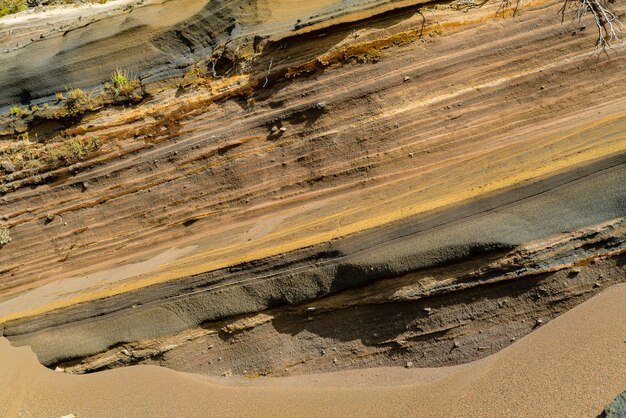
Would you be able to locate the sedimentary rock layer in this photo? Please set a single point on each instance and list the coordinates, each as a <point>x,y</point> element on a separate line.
<point>466,162</point>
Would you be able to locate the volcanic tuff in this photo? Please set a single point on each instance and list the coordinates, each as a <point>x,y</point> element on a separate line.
<point>357,183</point>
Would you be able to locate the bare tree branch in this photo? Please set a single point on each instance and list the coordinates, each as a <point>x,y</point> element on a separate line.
<point>610,28</point>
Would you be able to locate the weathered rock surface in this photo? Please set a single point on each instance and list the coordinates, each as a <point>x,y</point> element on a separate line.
<point>351,184</point>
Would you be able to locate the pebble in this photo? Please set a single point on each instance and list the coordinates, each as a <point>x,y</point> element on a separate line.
<point>283,129</point>
<point>274,129</point>
<point>539,322</point>
<point>335,360</point>
<point>409,364</point>
<point>596,285</point>
<point>210,346</point>
<point>428,310</point>
<point>227,373</point>
<point>406,78</point>
<point>456,344</point>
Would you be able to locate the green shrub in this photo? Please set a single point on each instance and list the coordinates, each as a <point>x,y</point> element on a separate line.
<point>8,7</point>
<point>123,83</point>
<point>17,111</point>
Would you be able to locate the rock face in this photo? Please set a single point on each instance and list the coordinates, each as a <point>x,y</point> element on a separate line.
<point>616,409</point>
<point>344,180</point>
<point>155,40</point>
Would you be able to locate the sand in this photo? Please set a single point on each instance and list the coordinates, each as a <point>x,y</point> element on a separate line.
<point>572,366</point>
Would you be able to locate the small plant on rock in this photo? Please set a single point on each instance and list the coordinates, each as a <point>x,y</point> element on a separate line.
<point>18,111</point>
<point>123,83</point>
<point>75,97</point>
<point>5,238</point>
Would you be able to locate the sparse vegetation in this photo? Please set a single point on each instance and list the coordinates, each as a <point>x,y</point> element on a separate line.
<point>123,83</point>
<point>18,111</point>
<point>8,7</point>
<point>75,97</point>
<point>5,237</point>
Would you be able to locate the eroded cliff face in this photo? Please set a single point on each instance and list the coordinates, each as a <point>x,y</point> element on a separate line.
<point>156,40</point>
<point>298,188</point>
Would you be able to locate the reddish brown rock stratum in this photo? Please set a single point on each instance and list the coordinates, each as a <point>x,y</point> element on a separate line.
<point>277,189</point>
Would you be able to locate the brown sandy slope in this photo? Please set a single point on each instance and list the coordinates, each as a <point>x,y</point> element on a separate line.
<point>572,366</point>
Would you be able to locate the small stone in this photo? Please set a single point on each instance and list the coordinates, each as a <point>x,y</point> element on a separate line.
<point>406,78</point>
<point>409,364</point>
<point>456,344</point>
<point>410,155</point>
<point>428,310</point>
<point>335,361</point>
<point>322,352</point>
<point>539,322</point>
<point>210,346</point>
<point>283,129</point>
<point>321,106</point>
<point>227,373</point>
<point>61,369</point>
<point>274,129</point>
<point>219,359</point>
<point>375,335</point>
<point>513,339</point>
<point>597,285</point>
<point>542,88</point>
